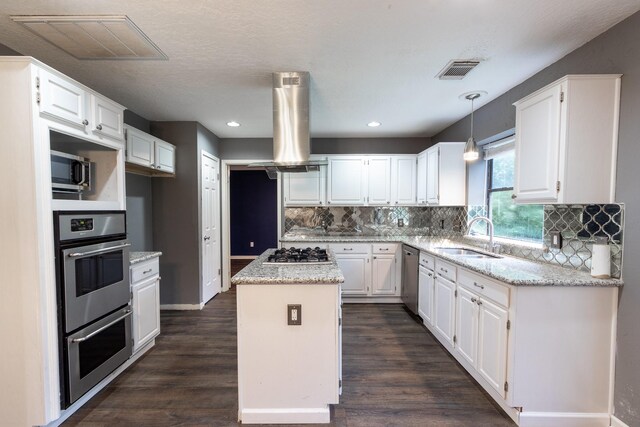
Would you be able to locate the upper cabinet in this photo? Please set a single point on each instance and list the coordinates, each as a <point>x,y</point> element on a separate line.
<point>403,180</point>
<point>446,174</point>
<point>566,141</point>
<point>379,180</point>
<point>347,181</point>
<point>64,100</point>
<point>421,184</point>
<point>156,156</point>
<point>305,188</point>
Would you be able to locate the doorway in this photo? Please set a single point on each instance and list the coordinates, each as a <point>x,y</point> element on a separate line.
<point>211,271</point>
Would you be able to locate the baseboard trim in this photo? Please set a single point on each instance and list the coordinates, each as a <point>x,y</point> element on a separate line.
<point>616,422</point>
<point>286,416</point>
<point>564,419</point>
<point>66,413</point>
<point>182,306</point>
<point>243,257</point>
<point>371,300</point>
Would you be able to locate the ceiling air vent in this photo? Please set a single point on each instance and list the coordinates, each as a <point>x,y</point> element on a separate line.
<point>457,69</point>
<point>93,37</point>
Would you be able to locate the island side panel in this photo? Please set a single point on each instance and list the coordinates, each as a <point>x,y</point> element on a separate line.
<point>287,373</point>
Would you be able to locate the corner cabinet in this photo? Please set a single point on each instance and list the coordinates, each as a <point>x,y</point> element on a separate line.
<point>149,155</point>
<point>566,141</point>
<point>145,302</point>
<point>442,175</point>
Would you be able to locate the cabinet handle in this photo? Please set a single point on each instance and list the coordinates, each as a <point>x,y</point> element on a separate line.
<point>513,196</point>
<point>329,202</point>
<point>85,122</point>
<point>479,302</point>
<point>473,299</point>
<point>430,275</point>
<point>347,249</point>
<point>375,257</point>
<point>384,249</point>
<point>478,286</point>
<point>99,127</point>
<point>388,202</point>
<point>396,202</point>
<point>444,269</point>
<point>147,271</point>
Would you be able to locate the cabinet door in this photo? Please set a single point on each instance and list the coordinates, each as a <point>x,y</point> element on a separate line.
<point>305,189</point>
<point>492,344</point>
<point>403,180</point>
<point>165,157</point>
<point>140,148</point>
<point>425,295</point>
<point>538,147</point>
<point>383,278</point>
<point>106,117</point>
<point>421,184</point>
<point>346,183</point>
<point>379,182</point>
<point>467,325</point>
<point>444,303</point>
<point>357,274</point>
<point>146,312</point>
<point>62,99</point>
<point>433,175</point>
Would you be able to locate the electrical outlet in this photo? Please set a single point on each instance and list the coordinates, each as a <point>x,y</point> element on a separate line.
<point>556,239</point>
<point>294,314</point>
<point>251,244</point>
<point>400,222</point>
<point>442,224</point>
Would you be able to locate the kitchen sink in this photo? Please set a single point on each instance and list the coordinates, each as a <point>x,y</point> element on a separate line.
<point>467,253</point>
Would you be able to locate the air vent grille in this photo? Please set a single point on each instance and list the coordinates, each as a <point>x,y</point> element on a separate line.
<point>457,70</point>
<point>291,81</point>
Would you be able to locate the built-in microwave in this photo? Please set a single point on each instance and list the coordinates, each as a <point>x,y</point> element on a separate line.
<point>69,173</point>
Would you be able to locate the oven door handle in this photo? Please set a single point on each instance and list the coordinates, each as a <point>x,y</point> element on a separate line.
<point>97,251</point>
<point>92,334</point>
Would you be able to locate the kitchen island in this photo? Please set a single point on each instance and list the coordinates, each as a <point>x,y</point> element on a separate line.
<point>289,341</point>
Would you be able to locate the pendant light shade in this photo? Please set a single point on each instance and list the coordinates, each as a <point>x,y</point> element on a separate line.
<point>471,152</point>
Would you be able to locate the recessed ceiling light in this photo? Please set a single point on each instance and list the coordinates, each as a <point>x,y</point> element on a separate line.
<point>233,124</point>
<point>373,124</point>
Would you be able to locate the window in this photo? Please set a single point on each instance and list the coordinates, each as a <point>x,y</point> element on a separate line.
<point>511,221</point>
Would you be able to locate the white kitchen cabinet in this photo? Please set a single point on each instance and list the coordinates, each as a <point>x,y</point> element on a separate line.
<point>567,132</point>
<point>492,343</point>
<point>62,99</point>
<point>305,188</point>
<point>154,154</point>
<point>446,174</point>
<point>107,117</point>
<point>384,275</point>
<point>444,309</point>
<point>421,174</point>
<point>356,269</point>
<point>145,302</point>
<point>466,338</point>
<point>346,181</point>
<point>426,283</point>
<point>378,180</point>
<point>403,180</point>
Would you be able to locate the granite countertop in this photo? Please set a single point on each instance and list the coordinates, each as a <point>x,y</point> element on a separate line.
<point>288,274</point>
<point>508,269</point>
<point>136,257</point>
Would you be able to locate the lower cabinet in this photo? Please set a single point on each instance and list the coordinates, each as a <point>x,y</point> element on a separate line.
<point>492,344</point>
<point>444,308</point>
<point>357,273</point>
<point>466,338</point>
<point>145,303</point>
<point>383,279</point>
<point>426,283</point>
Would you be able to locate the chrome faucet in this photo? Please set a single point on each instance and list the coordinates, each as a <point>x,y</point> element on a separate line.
<point>492,247</point>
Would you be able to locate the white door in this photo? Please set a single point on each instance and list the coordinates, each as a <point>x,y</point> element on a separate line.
<point>444,310</point>
<point>140,147</point>
<point>356,272</point>
<point>165,156</point>
<point>425,295</point>
<point>403,180</point>
<point>421,185</point>
<point>383,275</point>
<point>467,325</point>
<point>61,99</point>
<point>538,147</point>
<point>379,174</point>
<point>433,175</point>
<point>106,117</point>
<point>210,236</point>
<point>492,344</point>
<point>346,182</point>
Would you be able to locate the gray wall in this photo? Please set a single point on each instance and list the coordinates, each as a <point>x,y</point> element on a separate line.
<point>615,51</point>
<point>207,141</point>
<point>6,51</point>
<point>246,149</point>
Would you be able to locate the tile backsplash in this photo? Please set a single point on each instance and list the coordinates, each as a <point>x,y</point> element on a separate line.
<point>578,224</point>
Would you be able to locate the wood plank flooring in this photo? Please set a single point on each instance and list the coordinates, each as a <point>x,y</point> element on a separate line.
<point>395,374</point>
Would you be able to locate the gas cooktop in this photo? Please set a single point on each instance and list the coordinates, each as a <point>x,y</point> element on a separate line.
<point>290,256</point>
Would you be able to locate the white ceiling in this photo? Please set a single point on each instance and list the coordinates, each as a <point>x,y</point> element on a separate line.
<point>368,59</point>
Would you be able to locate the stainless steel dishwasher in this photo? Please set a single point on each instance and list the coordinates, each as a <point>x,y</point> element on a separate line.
<point>410,260</point>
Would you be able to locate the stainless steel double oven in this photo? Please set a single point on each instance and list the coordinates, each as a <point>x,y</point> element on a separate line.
<point>94,315</point>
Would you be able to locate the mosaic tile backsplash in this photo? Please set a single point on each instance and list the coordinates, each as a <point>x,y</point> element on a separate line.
<point>578,224</point>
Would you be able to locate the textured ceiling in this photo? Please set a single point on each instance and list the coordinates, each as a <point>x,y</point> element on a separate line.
<point>368,59</point>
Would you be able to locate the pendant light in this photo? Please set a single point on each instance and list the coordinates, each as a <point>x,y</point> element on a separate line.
<point>471,152</point>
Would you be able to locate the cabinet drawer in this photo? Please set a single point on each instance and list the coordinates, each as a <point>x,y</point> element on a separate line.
<point>144,270</point>
<point>427,261</point>
<point>385,248</point>
<point>484,287</point>
<point>350,248</point>
<point>445,269</point>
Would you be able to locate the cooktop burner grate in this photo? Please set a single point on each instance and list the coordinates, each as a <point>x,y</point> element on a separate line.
<point>293,256</point>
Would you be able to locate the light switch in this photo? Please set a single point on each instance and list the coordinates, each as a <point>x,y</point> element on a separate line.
<point>294,314</point>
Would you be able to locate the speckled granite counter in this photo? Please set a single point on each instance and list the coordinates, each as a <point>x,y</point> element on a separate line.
<point>258,274</point>
<point>507,269</point>
<point>136,257</point>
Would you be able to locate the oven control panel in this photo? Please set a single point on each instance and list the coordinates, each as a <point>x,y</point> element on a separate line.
<point>81,224</point>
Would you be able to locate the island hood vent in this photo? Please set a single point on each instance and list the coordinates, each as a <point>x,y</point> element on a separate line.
<point>291,140</point>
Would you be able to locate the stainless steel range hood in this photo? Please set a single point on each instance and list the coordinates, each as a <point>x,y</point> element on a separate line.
<point>291,141</point>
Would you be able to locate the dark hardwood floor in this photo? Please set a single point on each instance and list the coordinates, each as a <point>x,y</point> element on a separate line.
<point>238,264</point>
<point>395,374</point>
